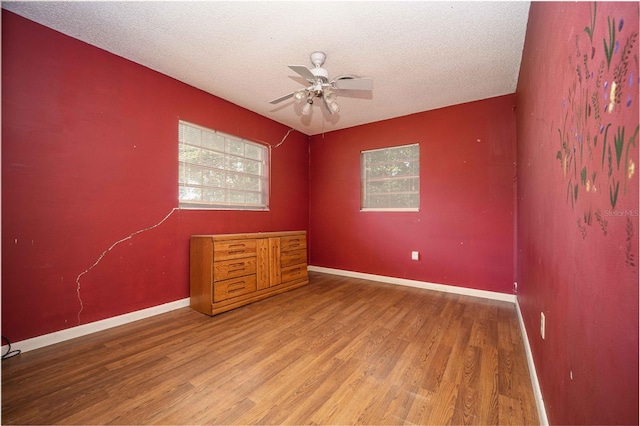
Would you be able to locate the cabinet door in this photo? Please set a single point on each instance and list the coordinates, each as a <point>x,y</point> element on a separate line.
<point>262,263</point>
<point>274,261</point>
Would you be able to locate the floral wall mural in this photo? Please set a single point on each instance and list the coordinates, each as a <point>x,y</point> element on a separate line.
<point>577,207</point>
<point>596,151</point>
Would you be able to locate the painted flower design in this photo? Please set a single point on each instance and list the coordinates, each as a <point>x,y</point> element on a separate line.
<point>612,97</point>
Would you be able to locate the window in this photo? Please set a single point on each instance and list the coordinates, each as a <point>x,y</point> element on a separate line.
<point>220,171</point>
<point>391,178</point>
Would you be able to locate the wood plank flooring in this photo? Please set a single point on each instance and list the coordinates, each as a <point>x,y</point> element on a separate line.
<point>338,351</point>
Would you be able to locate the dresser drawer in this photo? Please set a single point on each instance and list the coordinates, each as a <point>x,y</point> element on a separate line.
<point>235,287</point>
<point>293,243</point>
<point>294,272</point>
<point>233,249</point>
<point>293,257</point>
<point>233,268</point>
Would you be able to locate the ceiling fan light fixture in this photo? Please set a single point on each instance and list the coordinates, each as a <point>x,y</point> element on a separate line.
<point>334,107</point>
<point>306,110</point>
<point>329,96</point>
<point>330,100</point>
<point>299,95</point>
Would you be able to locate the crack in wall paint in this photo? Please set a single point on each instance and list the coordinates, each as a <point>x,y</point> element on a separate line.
<point>104,253</point>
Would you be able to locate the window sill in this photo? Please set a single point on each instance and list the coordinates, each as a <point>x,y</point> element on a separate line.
<point>413,209</point>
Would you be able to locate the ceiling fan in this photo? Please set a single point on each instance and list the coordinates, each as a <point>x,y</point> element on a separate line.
<point>321,87</point>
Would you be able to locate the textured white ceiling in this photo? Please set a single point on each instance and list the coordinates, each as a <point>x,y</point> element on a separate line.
<point>421,55</point>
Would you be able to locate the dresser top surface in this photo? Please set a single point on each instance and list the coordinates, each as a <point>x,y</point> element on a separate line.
<point>244,236</point>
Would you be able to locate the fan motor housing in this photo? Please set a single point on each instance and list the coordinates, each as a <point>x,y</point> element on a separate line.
<point>320,73</point>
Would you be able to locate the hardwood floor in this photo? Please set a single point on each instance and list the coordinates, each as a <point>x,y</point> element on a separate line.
<point>338,351</point>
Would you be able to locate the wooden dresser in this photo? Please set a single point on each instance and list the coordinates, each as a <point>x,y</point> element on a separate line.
<point>232,270</point>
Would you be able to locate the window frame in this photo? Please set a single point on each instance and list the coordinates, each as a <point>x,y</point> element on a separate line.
<point>364,180</point>
<point>264,177</point>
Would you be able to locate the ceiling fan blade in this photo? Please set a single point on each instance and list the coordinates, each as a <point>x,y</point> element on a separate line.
<point>354,84</point>
<point>282,98</point>
<point>304,72</point>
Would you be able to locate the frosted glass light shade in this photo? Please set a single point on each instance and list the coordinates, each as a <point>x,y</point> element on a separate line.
<point>299,96</point>
<point>306,110</point>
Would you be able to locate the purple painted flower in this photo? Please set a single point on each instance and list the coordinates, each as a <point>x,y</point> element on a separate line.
<point>621,24</point>
<point>593,52</point>
<point>629,101</point>
<point>615,49</point>
<point>606,107</point>
<point>564,103</point>
<point>606,95</point>
<point>606,84</point>
<point>631,79</point>
<point>601,128</point>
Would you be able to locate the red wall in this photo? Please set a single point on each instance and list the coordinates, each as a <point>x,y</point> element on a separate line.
<point>577,239</point>
<point>464,230</point>
<point>89,156</point>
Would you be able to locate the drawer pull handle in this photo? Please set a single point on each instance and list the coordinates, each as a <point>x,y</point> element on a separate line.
<point>236,251</point>
<point>236,245</point>
<point>231,271</point>
<point>294,244</point>
<point>233,265</point>
<point>238,286</point>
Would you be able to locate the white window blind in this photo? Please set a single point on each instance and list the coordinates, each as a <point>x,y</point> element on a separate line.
<point>221,171</point>
<point>391,178</point>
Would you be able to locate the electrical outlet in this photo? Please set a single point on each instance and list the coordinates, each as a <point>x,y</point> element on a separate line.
<point>542,324</point>
<point>415,255</point>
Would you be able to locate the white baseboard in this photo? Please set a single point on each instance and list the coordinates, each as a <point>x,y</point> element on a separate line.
<point>83,330</point>
<point>419,284</point>
<point>537,393</point>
